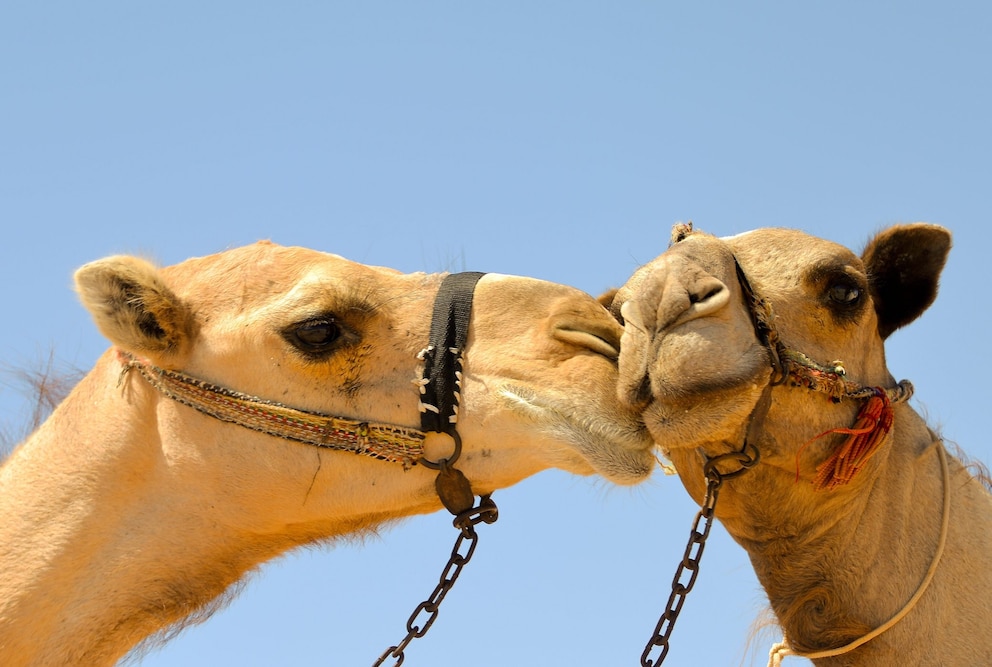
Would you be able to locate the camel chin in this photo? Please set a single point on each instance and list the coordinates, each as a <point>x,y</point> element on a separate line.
<point>596,445</point>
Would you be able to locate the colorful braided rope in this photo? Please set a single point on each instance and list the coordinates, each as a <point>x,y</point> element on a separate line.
<point>381,441</point>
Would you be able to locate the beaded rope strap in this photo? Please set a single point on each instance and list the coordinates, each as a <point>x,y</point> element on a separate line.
<point>872,424</point>
<point>875,417</point>
<point>381,441</point>
<point>831,379</point>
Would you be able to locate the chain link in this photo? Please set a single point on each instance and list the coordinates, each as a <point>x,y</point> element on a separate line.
<point>688,568</point>
<point>745,458</point>
<point>689,564</point>
<point>426,612</point>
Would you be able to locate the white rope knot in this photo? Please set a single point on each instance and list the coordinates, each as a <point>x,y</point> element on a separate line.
<point>779,651</point>
<point>427,407</point>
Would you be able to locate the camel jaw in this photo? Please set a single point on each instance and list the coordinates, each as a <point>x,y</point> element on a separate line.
<point>622,451</point>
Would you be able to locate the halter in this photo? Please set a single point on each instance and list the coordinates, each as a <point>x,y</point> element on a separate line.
<point>873,422</point>
<point>440,390</point>
<point>792,367</point>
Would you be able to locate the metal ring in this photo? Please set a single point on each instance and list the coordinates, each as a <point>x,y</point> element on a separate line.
<point>743,457</point>
<point>427,463</point>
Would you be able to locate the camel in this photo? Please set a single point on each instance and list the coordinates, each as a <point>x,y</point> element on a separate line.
<point>870,540</point>
<point>127,512</point>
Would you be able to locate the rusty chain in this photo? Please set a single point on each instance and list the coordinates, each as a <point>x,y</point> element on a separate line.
<point>465,522</point>
<point>694,550</point>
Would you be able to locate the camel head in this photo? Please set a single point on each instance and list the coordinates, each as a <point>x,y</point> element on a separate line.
<point>320,333</point>
<point>267,397</point>
<point>696,355</point>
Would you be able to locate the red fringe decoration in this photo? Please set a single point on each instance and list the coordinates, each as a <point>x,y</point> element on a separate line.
<point>870,428</point>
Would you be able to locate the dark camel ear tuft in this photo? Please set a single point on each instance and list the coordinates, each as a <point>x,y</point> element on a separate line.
<point>904,264</point>
<point>133,307</point>
<point>606,298</point>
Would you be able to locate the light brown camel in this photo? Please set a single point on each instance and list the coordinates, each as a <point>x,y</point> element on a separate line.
<point>842,529</point>
<point>128,512</point>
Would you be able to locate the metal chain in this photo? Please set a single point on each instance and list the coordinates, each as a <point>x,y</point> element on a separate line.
<point>694,550</point>
<point>465,522</point>
<point>690,564</point>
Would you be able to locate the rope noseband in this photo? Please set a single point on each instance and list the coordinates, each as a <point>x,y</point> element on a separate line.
<point>382,441</point>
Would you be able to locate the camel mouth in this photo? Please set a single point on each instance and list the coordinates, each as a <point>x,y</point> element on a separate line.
<point>602,342</point>
<point>590,327</point>
<point>620,449</point>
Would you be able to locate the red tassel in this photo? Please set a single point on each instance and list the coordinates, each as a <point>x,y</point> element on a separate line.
<point>874,421</point>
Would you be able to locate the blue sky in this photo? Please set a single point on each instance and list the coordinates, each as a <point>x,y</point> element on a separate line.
<point>556,139</point>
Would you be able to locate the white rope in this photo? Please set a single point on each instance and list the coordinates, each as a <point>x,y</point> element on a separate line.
<point>782,648</point>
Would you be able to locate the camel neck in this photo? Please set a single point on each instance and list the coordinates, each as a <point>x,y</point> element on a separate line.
<point>840,571</point>
<point>83,548</point>
<point>121,516</point>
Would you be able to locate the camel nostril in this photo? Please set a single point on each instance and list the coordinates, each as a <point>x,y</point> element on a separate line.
<point>696,297</point>
<point>705,297</point>
<point>708,289</point>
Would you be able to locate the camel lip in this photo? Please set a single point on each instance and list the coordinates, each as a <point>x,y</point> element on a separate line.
<point>585,323</point>
<point>597,342</point>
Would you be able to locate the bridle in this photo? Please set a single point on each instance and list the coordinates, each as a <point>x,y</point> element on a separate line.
<point>440,394</point>
<point>789,366</point>
<point>440,390</point>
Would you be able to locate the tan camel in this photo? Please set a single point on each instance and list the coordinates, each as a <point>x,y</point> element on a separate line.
<point>127,512</point>
<point>843,529</point>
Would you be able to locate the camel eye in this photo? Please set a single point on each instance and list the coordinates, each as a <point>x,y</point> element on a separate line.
<point>844,294</point>
<point>314,336</point>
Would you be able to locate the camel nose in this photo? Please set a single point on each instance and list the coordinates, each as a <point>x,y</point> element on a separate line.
<point>672,296</point>
<point>663,298</point>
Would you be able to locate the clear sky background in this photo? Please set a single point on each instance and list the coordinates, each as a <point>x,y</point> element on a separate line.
<point>554,139</point>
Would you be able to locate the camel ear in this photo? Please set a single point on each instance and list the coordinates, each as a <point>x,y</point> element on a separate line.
<point>904,264</point>
<point>133,307</point>
<point>606,298</point>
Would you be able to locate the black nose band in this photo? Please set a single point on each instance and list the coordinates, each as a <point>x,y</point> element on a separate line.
<point>443,355</point>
